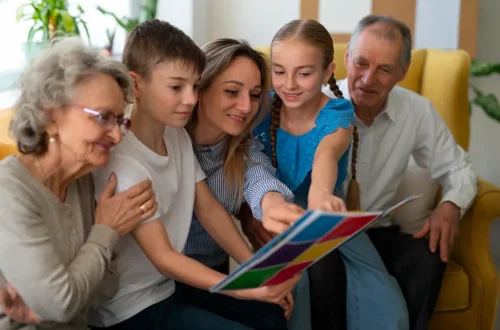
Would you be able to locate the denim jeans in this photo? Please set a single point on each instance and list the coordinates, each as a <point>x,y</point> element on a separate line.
<point>253,314</point>
<point>374,298</point>
<point>173,314</point>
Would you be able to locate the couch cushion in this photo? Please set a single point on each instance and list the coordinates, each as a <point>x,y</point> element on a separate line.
<point>416,181</point>
<point>454,293</point>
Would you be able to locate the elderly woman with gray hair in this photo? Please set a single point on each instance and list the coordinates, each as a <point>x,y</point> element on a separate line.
<point>56,245</point>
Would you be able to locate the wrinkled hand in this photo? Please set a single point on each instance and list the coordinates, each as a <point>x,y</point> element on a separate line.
<point>255,232</point>
<point>124,211</point>
<point>326,201</point>
<point>442,228</point>
<point>14,307</point>
<point>278,218</point>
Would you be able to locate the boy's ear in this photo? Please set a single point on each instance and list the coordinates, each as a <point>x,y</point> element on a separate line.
<point>137,82</point>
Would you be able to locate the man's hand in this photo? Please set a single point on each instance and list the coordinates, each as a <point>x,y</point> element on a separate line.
<point>442,228</point>
<point>14,307</point>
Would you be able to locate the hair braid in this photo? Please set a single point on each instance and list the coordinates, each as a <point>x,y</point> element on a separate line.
<point>353,194</point>
<point>275,123</point>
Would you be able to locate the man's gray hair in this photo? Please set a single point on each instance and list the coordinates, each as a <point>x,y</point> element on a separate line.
<point>47,84</point>
<point>389,25</point>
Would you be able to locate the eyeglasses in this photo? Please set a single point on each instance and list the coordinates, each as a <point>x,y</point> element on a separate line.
<point>107,120</point>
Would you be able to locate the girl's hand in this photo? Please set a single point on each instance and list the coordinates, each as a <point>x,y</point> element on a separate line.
<point>327,202</point>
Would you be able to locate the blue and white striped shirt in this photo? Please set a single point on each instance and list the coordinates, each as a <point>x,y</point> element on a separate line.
<point>260,178</point>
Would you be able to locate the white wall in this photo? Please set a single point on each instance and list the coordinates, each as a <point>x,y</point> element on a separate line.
<point>178,13</point>
<point>254,20</point>
<point>485,132</point>
<point>437,24</point>
<point>338,17</point>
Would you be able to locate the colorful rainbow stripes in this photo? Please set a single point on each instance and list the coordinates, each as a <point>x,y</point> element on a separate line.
<point>307,241</point>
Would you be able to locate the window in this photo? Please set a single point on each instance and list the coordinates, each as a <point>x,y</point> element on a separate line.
<point>14,34</point>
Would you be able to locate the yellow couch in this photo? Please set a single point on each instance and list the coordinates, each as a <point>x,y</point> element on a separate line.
<point>470,289</point>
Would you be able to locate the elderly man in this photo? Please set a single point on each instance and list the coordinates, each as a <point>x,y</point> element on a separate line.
<point>395,124</point>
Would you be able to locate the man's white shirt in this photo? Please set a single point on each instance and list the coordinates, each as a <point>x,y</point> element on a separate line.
<point>408,125</point>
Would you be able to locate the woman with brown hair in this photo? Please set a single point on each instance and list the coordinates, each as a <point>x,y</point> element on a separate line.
<point>233,86</point>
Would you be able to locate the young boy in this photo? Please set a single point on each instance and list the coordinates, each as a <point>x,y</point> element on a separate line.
<point>165,65</point>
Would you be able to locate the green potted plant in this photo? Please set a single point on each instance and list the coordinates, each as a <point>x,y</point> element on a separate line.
<point>49,19</point>
<point>488,102</point>
<point>148,11</point>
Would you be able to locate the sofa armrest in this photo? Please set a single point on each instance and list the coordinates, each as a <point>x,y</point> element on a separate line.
<point>7,150</point>
<point>472,250</point>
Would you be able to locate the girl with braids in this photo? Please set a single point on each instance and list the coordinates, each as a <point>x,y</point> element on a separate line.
<point>308,137</point>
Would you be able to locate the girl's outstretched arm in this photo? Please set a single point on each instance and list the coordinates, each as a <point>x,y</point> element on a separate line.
<point>325,171</point>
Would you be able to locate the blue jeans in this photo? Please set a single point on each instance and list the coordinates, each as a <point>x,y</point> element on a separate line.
<point>253,314</point>
<point>171,313</point>
<point>374,298</point>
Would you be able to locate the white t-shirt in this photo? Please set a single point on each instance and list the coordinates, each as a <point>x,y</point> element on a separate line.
<point>174,178</point>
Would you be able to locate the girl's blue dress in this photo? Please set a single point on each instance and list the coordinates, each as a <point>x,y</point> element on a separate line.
<point>374,299</point>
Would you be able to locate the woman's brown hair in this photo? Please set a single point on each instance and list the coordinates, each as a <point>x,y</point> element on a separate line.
<point>219,54</point>
<point>315,34</point>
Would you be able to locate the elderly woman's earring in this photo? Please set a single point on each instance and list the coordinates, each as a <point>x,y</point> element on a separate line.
<point>52,139</point>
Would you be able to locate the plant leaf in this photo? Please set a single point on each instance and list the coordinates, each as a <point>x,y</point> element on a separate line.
<point>476,90</point>
<point>20,11</point>
<point>489,103</point>
<point>68,21</point>
<point>483,68</point>
<point>87,34</point>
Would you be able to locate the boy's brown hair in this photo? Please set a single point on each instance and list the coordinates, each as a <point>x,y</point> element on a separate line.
<point>155,41</point>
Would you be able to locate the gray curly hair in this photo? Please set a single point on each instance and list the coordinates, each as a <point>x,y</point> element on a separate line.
<point>48,84</point>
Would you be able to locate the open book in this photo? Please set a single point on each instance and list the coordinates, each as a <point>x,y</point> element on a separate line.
<point>309,239</point>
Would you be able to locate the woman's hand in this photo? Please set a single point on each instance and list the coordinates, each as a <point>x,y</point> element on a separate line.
<point>279,294</point>
<point>124,211</point>
<point>14,307</point>
<point>277,218</point>
<point>326,201</point>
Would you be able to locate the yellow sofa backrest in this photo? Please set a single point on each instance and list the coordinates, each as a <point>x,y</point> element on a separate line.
<point>440,75</point>
<point>5,116</point>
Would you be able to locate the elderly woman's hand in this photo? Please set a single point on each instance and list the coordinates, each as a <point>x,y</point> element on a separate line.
<point>124,211</point>
<point>14,307</point>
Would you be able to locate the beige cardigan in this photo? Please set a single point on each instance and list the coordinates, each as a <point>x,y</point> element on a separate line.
<point>50,251</point>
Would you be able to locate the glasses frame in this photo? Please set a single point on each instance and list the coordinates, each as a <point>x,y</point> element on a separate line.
<point>123,122</point>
